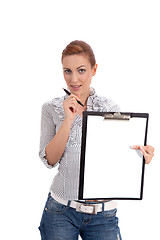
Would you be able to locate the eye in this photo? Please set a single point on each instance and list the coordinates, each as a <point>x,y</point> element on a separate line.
<point>67,71</point>
<point>82,70</point>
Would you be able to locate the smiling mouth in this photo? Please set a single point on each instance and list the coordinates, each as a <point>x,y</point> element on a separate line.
<point>76,86</point>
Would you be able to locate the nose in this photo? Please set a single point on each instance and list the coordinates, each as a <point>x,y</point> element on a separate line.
<point>74,77</point>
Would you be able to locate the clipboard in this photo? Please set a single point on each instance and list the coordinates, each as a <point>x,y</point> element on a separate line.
<point>109,167</point>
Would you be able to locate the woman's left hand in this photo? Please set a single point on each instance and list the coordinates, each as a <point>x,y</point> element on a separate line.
<point>148,152</point>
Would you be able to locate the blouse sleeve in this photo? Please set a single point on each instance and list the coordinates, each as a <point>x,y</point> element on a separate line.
<point>48,131</point>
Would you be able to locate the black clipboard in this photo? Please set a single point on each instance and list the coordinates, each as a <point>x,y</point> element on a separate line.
<point>107,136</point>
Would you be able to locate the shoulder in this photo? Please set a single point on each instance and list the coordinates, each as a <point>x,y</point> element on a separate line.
<point>104,104</point>
<point>109,105</point>
<point>53,105</point>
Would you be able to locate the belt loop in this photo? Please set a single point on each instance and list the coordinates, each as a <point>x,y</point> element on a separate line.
<point>102,206</point>
<point>69,203</point>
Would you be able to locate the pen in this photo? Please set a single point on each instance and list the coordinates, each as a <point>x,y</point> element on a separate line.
<point>68,93</point>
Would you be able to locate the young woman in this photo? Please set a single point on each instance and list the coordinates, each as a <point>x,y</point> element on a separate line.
<point>61,127</point>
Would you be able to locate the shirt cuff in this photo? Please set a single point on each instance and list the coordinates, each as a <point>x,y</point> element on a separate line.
<point>42,156</point>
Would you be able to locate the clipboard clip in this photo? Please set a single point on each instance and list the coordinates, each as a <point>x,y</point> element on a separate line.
<point>117,116</point>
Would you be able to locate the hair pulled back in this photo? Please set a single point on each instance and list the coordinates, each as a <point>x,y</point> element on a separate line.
<point>79,47</point>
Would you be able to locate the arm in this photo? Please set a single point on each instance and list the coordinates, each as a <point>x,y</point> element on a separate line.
<point>48,131</point>
<point>55,148</point>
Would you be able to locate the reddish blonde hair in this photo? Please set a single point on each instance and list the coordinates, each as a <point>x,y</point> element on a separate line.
<point>79,47</point>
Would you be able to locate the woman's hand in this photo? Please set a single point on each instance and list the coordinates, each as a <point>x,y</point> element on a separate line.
<point>148,152</point>
<point>70,107</point>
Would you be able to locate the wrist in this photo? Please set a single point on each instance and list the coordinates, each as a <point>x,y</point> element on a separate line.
<point>67,122</point>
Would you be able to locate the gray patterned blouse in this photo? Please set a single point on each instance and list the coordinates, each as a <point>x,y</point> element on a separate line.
<point>65,183</point>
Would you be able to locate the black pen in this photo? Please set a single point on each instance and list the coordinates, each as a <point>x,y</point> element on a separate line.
<point>68,93</point>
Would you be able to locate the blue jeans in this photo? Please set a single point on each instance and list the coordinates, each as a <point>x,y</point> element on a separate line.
<point>60,222</point>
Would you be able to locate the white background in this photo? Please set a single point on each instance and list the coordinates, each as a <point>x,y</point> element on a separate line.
<point>125,37</point>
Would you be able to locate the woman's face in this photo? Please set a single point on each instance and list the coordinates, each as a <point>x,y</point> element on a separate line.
<point>78,74</point>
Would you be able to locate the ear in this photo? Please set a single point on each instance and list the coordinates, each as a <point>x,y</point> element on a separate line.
<point>94,69</point>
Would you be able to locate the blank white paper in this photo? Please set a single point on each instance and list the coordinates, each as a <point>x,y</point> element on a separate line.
<point>112,168</point>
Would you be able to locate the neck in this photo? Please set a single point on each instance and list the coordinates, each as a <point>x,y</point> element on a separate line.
<point>84,97</point>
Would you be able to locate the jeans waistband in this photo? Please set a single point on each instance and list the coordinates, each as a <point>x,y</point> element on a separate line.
<point>90,208</point>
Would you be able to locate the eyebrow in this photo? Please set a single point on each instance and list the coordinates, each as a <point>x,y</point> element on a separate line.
<point>77,67</point>
<point>81,66</point>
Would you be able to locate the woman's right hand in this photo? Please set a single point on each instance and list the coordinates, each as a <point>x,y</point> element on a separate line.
<point>70,107</point>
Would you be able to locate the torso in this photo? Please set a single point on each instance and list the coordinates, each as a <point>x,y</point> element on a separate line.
<point>80,110</point>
